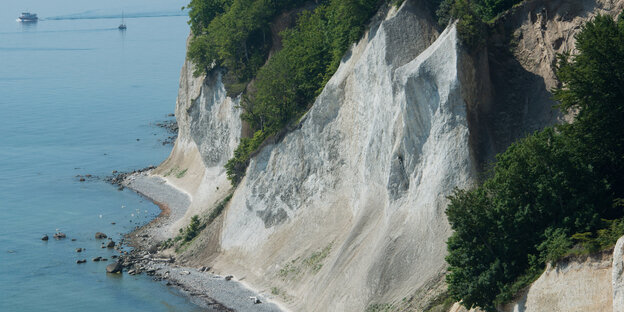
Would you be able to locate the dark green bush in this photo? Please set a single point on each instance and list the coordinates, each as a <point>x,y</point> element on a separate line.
<point>193,229</point>
<point>472,16</point>
<point>216,212</point>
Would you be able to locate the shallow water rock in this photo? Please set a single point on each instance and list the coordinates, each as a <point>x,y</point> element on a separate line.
<point>229,277</point>
<point>96,259</point>
<point>81,261</point>
<point>114,267</point>
<point>60,235</point>
<point>45,237</point>
<point>100,235</point>
<point>110,244</point>
<point>78,249</point>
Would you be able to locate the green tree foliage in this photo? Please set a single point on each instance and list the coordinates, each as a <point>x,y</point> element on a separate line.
<point>288,83</point>
<point>233,34</point>
<point>472,16</point>
<point>548,186</point>
<point>594,86</point>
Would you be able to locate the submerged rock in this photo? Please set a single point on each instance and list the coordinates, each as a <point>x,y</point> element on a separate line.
<point>81,261</point>
<point>60,235</point>
<point>110,244</point>
<point>100,235</point>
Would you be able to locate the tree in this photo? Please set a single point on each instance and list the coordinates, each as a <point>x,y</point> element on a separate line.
<point>549,185</point>
<point>593,85</point>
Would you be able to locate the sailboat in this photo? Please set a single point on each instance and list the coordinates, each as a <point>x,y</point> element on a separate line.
<point>122,26</point>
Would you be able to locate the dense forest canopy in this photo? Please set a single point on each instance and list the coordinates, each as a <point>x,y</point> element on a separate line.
<point>557,192</point>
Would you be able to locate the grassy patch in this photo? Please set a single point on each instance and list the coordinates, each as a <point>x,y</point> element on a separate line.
<point>181,174</point>
<point>290,269</point>
<point>315,261</point>
<point>312,264</point>
<point>379,307</point>
<point>441,303</point>
<point>189,233</point>
<point>170,171</point>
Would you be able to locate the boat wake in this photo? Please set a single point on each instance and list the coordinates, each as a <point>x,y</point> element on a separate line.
<point>60,31</point>
<point>100,15</point>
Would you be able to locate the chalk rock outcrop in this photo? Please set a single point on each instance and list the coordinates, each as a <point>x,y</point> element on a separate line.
<point>209,131</point>
<point>617,277</point>
<point>347,210</point>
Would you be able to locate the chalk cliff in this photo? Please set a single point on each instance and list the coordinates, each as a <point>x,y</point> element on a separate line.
<point>346,210</point>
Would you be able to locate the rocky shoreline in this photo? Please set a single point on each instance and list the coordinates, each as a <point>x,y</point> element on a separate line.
<point>207,290</point>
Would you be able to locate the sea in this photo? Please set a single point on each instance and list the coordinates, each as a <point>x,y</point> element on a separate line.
<point>80,97</point>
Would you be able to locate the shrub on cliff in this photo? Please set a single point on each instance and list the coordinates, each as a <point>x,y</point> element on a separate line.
<point>472,16</point>
<point>550,185</point>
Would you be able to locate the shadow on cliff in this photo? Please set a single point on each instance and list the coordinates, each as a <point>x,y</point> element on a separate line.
<point>512,103</point>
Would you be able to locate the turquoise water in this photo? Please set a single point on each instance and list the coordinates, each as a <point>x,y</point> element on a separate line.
<point>75,95</point>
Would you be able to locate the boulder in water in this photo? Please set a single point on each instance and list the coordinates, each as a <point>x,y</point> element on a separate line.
<point>100,235</point>
<point>114,267</point>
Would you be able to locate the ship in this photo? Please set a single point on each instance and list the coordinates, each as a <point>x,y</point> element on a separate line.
<point>28,17</point>
<point>122,26</point>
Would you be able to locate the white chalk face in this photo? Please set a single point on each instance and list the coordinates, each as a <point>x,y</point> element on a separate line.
<point>366,173</point>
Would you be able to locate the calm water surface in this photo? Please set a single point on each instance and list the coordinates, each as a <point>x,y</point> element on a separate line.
<point>75,95</point>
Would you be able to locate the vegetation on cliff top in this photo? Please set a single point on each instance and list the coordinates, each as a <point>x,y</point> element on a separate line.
<point>472,16</point>
<point>554,193</point>
<point>235,35</point>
